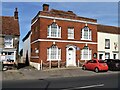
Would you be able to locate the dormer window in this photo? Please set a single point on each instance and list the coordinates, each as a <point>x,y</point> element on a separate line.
<point>8,42</point>
<point>86,33</point>
<point>54,31</point>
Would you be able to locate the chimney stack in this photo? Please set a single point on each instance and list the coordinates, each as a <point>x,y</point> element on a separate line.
<point>16,14</point>
<point>45,7</point>
<point>70,11</point>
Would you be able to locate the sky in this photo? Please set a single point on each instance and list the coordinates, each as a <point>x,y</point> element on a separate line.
<point>106,13</point>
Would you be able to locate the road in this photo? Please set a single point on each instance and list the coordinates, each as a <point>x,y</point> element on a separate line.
<point>70,83</point>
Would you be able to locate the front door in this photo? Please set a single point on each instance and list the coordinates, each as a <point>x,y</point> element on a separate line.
<point>71,57</point>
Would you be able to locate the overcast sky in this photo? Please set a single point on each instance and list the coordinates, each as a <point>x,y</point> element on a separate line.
<point>105,12</point>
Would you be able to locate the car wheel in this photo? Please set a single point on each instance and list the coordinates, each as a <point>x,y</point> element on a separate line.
<point>96,70</point>
<point>84,68</point>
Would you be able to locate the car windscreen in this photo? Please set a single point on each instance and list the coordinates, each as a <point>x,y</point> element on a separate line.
<point>101,61</point>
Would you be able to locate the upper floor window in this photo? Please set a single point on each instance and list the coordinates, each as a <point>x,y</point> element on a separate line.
<point>107,43</point>
<point>54,53</point>
<point>86,33</point>
<point>70,33</point>
<point>54,31</point>
<point>8,42</point>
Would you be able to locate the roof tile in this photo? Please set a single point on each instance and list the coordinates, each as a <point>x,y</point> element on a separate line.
<point>10,26</point>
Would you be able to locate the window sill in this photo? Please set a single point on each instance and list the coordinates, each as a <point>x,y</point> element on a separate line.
<point>86,39</point>
<point>107,48</point>
<point>53,59</point>
<point>71,38</point>
<point>53,37</point>
<point>8,47</point>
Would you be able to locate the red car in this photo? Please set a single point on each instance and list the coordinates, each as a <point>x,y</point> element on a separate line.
<point>96,65</point>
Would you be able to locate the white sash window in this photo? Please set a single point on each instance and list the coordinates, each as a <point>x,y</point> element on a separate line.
<point>86,33</point>
<point>8,42</point>
<point>53,53</point>
<point>70,33</point>
<point>86,53</point>
<point>54,31</point>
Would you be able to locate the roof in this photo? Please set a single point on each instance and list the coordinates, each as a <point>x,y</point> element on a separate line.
<point>63,14</point>
<point>28,34</point>
<point>10,25</point>
<point>108,29</point>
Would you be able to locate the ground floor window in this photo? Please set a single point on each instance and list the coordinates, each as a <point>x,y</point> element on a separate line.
<point>114,56</point>
<point>100,56</point>
<point>86,53</point>
<point>7,56</point>
<point>107,55</point>
<point>53,53</point>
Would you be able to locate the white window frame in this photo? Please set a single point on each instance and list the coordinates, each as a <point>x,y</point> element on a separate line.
<point>107,43</point>
<point>89,36</point>
<point>83,54</point>
<point>57,56</point>
<point>70,33</point>
<point>107,55</point>
<point>5,41</point>
<point>58,31</point>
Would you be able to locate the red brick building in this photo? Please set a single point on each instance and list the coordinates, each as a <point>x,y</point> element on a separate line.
<point>62,36</point>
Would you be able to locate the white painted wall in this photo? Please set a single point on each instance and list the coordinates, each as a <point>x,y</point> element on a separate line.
<point>27,46</point>
<point>119,46</point>
<point>35,65</point>
<point>101,43</point>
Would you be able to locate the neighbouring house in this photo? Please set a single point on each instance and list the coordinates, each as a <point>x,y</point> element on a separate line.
<point>108,42</point>
<point>9,38</point>
<point>26,47</point>
<point>62,36</point>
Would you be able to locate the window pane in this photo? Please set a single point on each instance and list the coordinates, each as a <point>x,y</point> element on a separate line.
<point>53,53</point>
<point>86,54</point>
<point>107,43</point>
<point>48,31</point>
<point>107,55</point>
<point>59,53</point>
<point>10,53</point>
<point>86,33</point>
<point>8,42</point>
<point>54,30</point>
<point>59,32</point>
<point>70,33</point>
<point>90,34</point>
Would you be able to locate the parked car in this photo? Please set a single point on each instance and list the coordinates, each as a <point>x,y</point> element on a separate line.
<point>95,65</point>
<point>113,64</point>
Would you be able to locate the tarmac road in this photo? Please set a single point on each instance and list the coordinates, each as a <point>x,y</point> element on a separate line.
<point>65,83</point>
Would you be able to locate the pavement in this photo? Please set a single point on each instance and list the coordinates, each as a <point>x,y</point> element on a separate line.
<point>30,73</point>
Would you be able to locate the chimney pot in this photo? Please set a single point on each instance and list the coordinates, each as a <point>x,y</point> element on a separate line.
<point>45,7</point>
<point>16,14</point>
